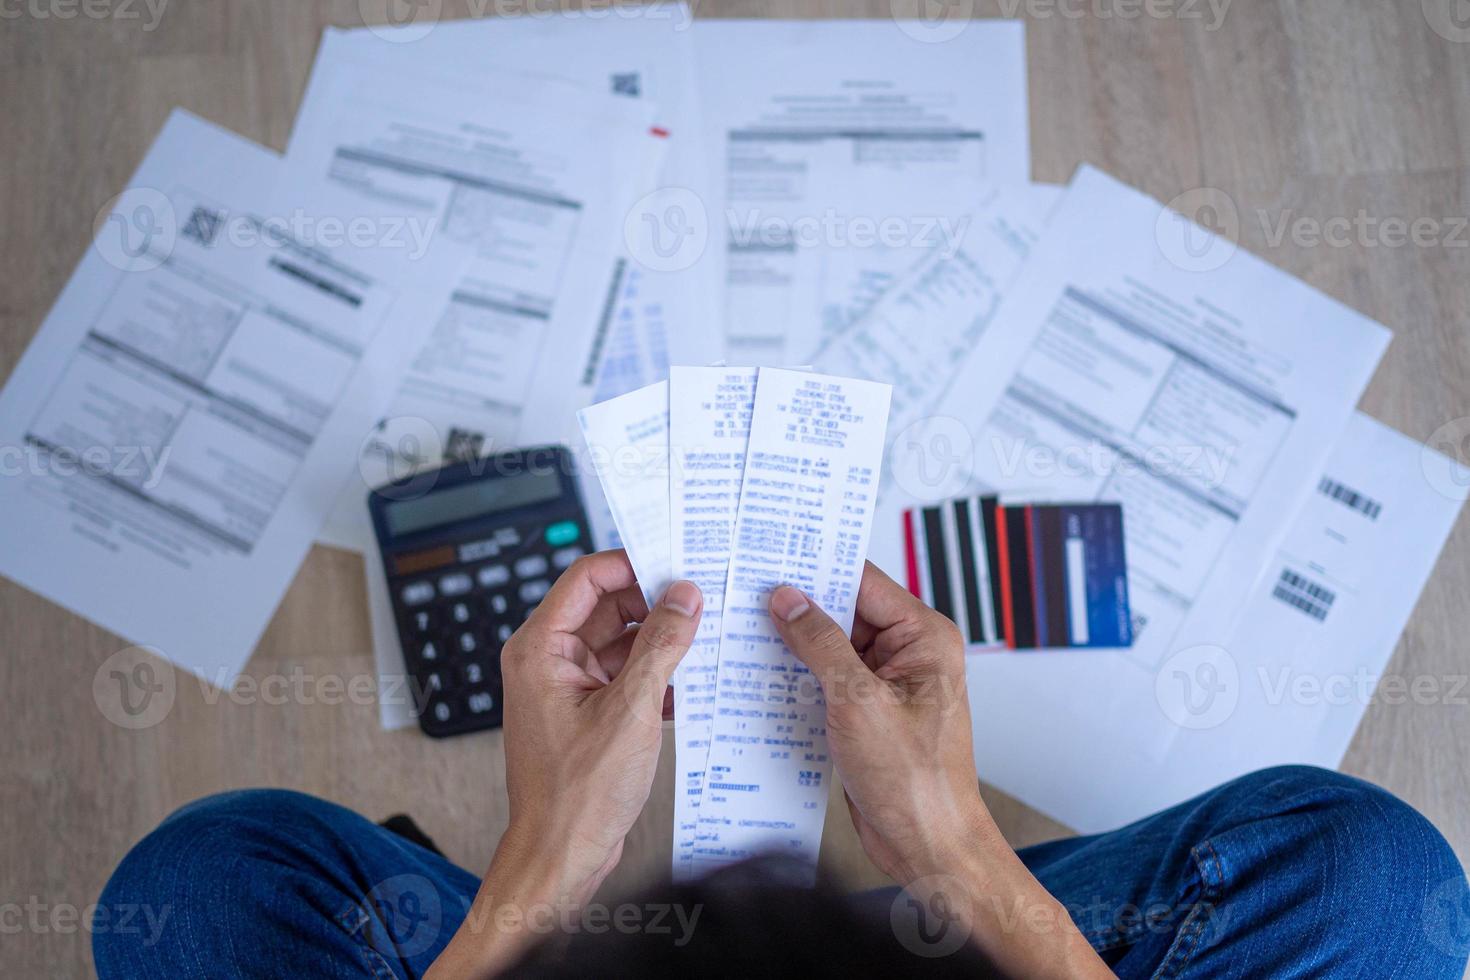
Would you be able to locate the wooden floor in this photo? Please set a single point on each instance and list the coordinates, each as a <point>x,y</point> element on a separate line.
<point>1295,108</point>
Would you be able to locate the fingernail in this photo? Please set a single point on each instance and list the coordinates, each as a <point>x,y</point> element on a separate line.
<point>683,598</point>
<point>787,603</point>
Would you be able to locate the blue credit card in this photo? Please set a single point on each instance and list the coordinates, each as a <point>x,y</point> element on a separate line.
<point>1094,580</point>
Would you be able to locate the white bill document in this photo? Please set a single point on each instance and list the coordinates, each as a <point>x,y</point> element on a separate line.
<point>499,163</point>
<point>846,133</point>
<point>187,401</point>
<point>1138,359</point>
<point>1324,616</point>
<point>670,298</point>
<point>1290,683</point>
<point>917,333</point>
<point>627,441</point>
<point>708,435</point>
<point>805,513</point>
<point>635,350</point>
<point>844,284</point>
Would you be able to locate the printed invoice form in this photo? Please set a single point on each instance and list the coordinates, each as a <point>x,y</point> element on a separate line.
<point>186,403</point>
<point>805,513</point>
<point>808,112</point>
<point>1308,655</point>
<point>501,163</point>
<point>671,291</point>
<point>1205,399</point>
<point>918,333</point>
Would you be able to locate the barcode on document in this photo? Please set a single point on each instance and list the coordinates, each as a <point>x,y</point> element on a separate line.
<point>1357,501</point>
<point>1306,595</point>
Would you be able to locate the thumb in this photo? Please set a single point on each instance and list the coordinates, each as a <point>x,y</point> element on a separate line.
<point>815,638</point>
<point>660,644</point>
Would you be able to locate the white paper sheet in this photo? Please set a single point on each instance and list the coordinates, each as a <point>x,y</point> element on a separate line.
<point>209,368</point>
<point>500,161</point>
<point>636,351</point>
<point>673,290</point>
<point>843,284</point>
<point>840,132</point>
<point>1285,687</point>
<point>1329,610</point>
<point>918,332</point>
<point>806,506</point>
<point>627,439</point>
<point>708,435</point>
<point>1205,400</point>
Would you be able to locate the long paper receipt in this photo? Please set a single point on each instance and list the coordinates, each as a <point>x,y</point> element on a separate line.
<point>773,478</point>
<point>806,508</point>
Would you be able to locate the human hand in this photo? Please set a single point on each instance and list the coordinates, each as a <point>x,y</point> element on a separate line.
<point>584,698</point>
<point>898,722</point>
<point>584,703</point>
<point>898,729</point>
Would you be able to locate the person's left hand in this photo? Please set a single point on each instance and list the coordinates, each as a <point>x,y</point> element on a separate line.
<point>584,706</point>
<point>584,703</point>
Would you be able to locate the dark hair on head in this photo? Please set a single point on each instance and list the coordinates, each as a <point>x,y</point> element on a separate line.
<point>756,919</point>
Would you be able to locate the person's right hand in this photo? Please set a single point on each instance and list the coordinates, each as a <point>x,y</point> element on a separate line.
<point>898,722</point>
<point>898,729</point>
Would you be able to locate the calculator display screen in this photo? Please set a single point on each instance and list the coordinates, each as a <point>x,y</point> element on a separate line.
<point>474,499</point>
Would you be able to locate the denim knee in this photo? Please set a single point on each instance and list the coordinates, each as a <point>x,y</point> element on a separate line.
<point>253,812</point>
<point>154,897</point>
<point>1405,880</point>
<point>1419,868</point>
<point>1361,811</point>
<point>254,883</point>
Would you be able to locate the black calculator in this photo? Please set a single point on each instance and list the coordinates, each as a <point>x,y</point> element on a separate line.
<point>469,550</point>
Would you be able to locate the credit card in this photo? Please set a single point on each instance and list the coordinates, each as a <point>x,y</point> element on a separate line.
<point>1096,578</point>
<point>1024,576</point>
<point>952,564</point>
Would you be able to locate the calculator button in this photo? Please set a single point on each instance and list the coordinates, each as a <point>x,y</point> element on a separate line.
<point>461,612</point>
<point>493,575</point>
<point>478,550</point>
<point>442,711</point>
<point>504,631</point>
<point>421,621</point>
<point>534,591</point>
<point>417,593</point>
<point>474,673</point>
<point>531,566</point>
<point>480,703</point>
<point>507,537</point>
<point>457,584</point>
<point>429,653</point>
<point>498,604</point>
<point>433,682</point>
<point>562,532</point>
<point>564,557</point>
<point>468,643</point>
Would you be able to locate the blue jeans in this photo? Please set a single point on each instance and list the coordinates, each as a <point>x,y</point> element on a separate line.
<point>1287,872</point>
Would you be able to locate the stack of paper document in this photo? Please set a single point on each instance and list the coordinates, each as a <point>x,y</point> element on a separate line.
<point>741,480</point>
<point>540,212</point>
